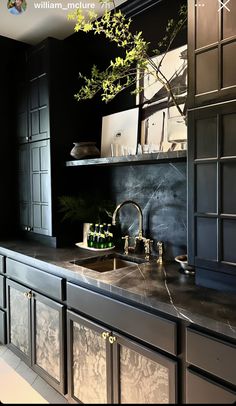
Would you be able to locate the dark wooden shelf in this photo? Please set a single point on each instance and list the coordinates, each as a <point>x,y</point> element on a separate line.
<point>132,159</point>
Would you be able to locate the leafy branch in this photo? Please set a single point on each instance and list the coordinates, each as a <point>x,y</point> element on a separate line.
<point>121,72</point>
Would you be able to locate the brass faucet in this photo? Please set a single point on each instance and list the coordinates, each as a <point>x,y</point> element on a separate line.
<point>140,216</point>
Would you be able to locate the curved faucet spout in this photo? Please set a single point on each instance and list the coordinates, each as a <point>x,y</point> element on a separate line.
<point>140,233</point>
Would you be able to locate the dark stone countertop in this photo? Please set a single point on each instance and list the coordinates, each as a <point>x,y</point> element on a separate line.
<point>148,285</point>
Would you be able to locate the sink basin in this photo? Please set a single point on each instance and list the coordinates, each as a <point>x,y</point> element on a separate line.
<point>109,262</point>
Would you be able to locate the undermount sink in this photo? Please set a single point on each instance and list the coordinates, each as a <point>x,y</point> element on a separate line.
<point>109,262</point>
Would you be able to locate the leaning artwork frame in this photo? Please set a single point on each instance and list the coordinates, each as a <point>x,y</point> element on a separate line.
<point>162,126</point>
<point>120,133</point>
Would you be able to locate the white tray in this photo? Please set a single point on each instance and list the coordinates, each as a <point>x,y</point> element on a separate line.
<point>85,247</point>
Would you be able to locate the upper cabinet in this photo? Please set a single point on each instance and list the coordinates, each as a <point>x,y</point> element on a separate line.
<point>211,142</point>
<point>212,51</point>
<point>33,96</point>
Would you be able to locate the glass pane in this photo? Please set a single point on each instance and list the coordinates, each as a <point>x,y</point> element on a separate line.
<point>19,320</point>
<point>89,365</point>
<point>141,379</point>
<point>48,339</point>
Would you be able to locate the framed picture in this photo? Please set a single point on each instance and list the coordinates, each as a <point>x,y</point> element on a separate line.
<point>120,133</point>
<point>163,128</point>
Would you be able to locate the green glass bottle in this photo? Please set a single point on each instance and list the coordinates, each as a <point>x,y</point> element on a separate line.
<point>101,237</point>
<point>95,236</point>
<point>109,236</point>
<point>90,236</point>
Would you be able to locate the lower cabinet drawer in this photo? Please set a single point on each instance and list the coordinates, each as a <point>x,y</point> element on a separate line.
<point>202,390</point>
<point>2,327</point>
<point>50,285</point>
<point>2,264</point>
<point>212,355</point>
<point>145,326</point>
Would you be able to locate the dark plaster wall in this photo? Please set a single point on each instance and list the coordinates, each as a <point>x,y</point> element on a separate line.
<point>160,190</point>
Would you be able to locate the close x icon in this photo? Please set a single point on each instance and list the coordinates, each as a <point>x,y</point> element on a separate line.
<point>223,4</point>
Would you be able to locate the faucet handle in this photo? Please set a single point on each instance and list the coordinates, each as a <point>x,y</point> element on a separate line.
<point>126,244</point>
<point>160,252</point>
<point>147,247</point>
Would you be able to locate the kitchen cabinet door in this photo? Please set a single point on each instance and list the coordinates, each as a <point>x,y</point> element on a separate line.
<point>19,320</point>
<point>89,361</point>
<point>142,375</point>
<point>24,187</point>
<point>48,340</point>
<point>40,180</point>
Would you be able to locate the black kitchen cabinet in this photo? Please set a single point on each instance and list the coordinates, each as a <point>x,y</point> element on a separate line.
<point>211,143</point>
<point>215,380</point>
<point>212,195</point>
<point>212,57</point>
<point>35,332</point>
<point>41,133</point>
<point>106,367</point>
<point>35,187</point>
<point>155,374</point>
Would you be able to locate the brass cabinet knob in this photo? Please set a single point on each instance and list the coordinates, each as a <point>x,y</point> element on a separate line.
<point>105,335</point>
<point>26,294</point>
<point>30,295</point>
<point>112,339</point>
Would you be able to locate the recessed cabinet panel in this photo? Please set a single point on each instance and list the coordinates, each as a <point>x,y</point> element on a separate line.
<point>45,188</point>
<point>206,16</point>
<point>200,390</point>
<point>206,78</point>
<point>206,244</point>
<point>206,138</point>
<point>18,306</point>
<point>43,121</point>
<point>89,361</point>
<point>2,264</point>
<point>142,380</point>
<point>229,64</point>
<point>2,291</point>
<point>34,95</point>
<point>229,135</point>
<point>35,158</point>
<point>47,339</point>
<point>43,91</point>
<point>229,240</point>
<point>206,179</point>
<point>37,62</point>
<point>36,188</point>
<point>34,122</point>
<point>45,156</point>
<point>2,327</point>
<point>229,18</point>
<point>229,188</point>
<point>46,218</point>
<point>37,218</point>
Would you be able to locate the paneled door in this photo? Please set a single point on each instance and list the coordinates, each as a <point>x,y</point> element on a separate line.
<point>89,361</point>
<point>48,340</point>
<point>142,376</point>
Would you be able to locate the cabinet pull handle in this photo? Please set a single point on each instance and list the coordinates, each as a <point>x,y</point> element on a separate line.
<point>112,340</point>
<point>27,138</point>
<point>105,335</point>
<point>30,295</point>
<point>26,294</point>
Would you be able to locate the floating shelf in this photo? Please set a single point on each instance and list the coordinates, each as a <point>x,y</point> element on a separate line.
<point>131,159</point>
